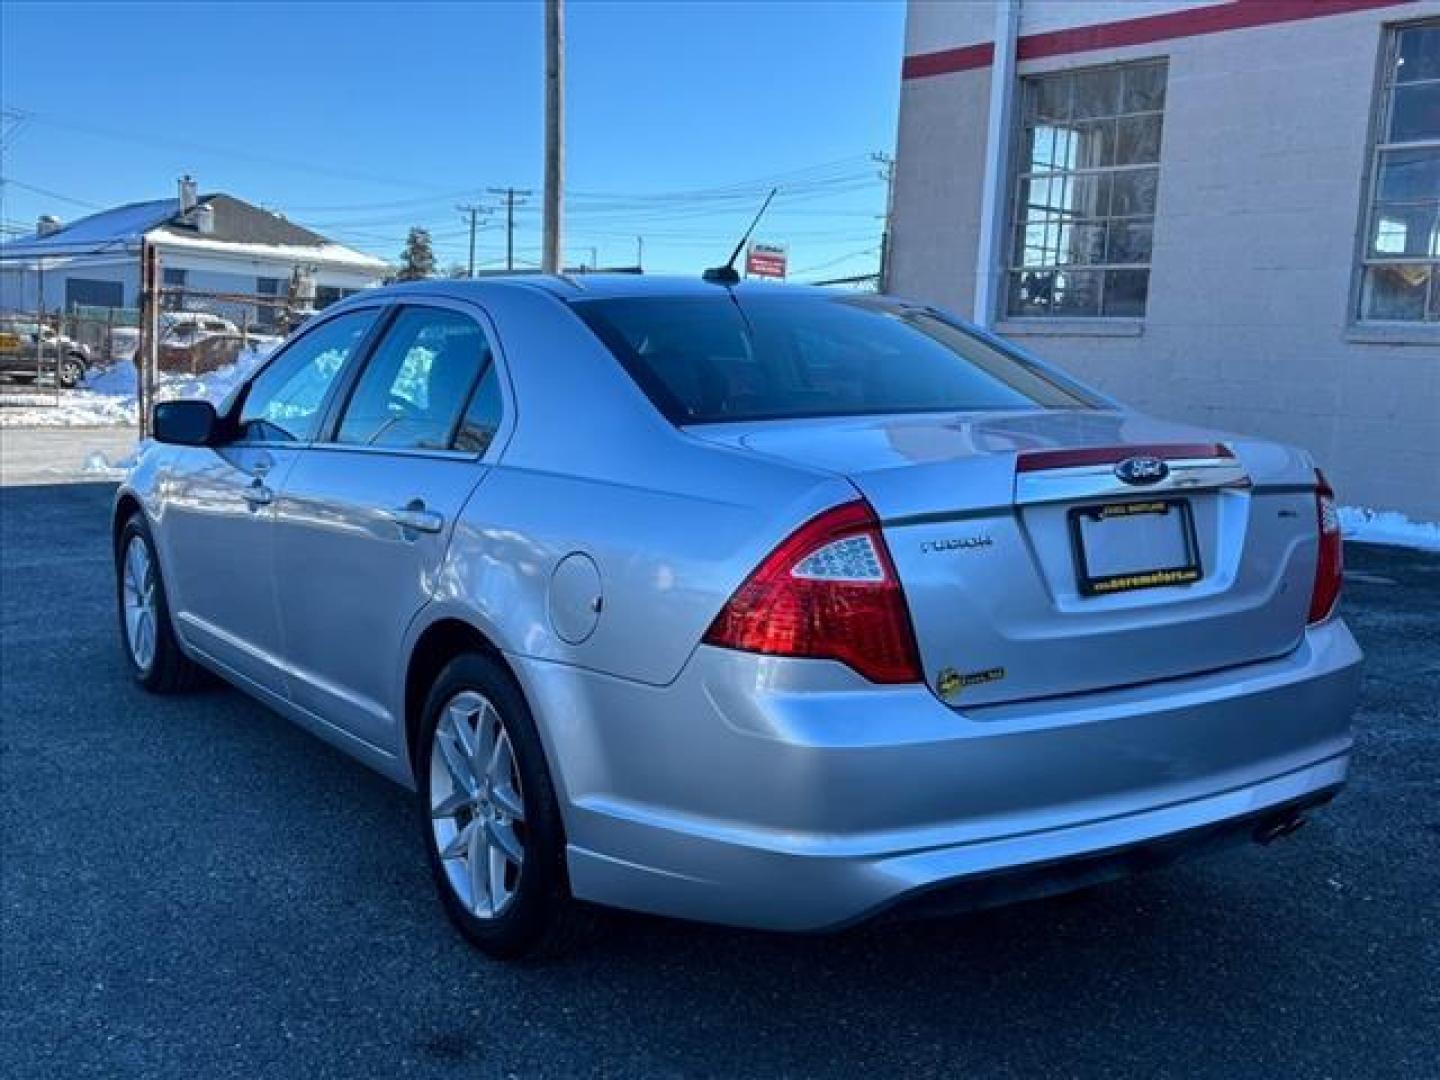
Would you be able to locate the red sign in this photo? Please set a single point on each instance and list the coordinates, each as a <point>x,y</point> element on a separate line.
<point>765,261</point>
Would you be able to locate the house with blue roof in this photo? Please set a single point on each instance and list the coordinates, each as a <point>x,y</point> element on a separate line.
<point>209,244</point>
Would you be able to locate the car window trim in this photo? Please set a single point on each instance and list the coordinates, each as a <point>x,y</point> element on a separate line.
<point>331,427</point>
<point>367,342</point>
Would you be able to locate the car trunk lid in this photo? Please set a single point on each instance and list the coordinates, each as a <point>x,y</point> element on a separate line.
<point>1029,565</point>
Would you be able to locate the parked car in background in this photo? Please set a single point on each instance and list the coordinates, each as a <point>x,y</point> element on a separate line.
<point>186,327</point>
<point>197,341</point>
<point>202,354</point>
<point>30,350</point>
<point>758,605</point>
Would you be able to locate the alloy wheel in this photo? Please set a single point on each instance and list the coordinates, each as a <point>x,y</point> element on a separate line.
<point>138,584</point>
<point>477,809</point>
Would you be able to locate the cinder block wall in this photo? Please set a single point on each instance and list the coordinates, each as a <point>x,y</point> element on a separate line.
<point>1249,323</point>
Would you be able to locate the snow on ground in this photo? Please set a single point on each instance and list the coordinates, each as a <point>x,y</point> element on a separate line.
<point>108,397</point>
<point>1388,527</point>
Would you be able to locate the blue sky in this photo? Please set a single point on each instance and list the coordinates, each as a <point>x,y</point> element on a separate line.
<point>362,119</point>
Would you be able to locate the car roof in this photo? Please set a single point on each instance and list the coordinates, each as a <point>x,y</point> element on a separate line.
<point>578,287</point>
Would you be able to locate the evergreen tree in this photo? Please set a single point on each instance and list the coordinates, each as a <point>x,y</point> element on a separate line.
<point>418,259</point>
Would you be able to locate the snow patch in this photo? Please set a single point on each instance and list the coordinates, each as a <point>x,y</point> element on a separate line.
<point>98,465</point>
<point>1388,527</point>
<point>109,396</point>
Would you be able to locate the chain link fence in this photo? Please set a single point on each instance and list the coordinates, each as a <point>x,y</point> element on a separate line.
<point>45,354</point>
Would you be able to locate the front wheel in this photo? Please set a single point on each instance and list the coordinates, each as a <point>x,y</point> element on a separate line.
<point>492,823</point>
<point>151,651</point>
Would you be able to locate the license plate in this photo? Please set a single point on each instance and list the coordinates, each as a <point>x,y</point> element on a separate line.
<point>1121,547</point>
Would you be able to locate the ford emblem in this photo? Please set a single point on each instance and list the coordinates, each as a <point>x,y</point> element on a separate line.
<point>1142,470</point>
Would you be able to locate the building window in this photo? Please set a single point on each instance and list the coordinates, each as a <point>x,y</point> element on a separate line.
<point>1400,271</point>
<point>325,295</point>
<point>267,315</point>
<point>84,292</point>
<point>172,285</point>
<point>1084,207</point>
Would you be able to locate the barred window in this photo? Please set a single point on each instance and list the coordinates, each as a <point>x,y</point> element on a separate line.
<point>1084,206</point>
<point>1400,271</point>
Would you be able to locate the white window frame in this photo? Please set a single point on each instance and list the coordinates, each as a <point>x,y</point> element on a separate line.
<point>1382,103</point>
<point>1019,172</point>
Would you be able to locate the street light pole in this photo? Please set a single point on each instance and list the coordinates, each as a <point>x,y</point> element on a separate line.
<point>554,133</point>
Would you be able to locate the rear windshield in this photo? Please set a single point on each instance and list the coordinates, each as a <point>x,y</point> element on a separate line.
<point>724,358</point>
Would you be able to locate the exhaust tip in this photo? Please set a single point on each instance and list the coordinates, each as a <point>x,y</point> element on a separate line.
<point>1278,828</point>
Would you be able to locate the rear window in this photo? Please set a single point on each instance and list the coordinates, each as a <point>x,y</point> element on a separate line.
<point>724,358</point>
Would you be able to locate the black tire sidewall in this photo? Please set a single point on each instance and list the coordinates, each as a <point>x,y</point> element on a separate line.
<point>167,651</point>
<point>543,891</point>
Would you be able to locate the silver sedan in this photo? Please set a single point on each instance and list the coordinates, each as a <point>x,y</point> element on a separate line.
<point>757,605</point>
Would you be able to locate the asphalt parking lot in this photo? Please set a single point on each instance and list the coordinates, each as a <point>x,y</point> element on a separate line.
<point>193,887</point>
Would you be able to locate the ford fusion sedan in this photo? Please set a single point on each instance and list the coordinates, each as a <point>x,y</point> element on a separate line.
<point>757,605</point>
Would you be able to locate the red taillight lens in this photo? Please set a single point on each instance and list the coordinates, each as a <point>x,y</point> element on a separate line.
<point>828,592</point>
<point>1329,569</point>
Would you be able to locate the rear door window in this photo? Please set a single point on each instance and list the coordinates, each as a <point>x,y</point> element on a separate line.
<point>416,386</point>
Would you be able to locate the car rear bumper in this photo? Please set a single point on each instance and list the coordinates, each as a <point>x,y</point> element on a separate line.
<point>791,795</point>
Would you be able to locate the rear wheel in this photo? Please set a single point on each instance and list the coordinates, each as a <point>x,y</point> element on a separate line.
<point>151,651</point>
<point>72,372</point>
<point>492,823</point>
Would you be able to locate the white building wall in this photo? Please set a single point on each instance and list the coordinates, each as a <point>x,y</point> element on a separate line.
<point>20,286</point>
<point>1263,168</point>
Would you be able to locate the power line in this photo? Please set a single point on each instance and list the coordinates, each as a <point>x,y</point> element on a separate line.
<point>51,194</point>
<point>837,261</point>
<point>221,151</point>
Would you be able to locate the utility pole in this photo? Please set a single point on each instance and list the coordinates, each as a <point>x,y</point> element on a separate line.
<point>147,354</point>
<point>887,173</point>
<point>473,211</point>
<point>512,196</point>
<point>554,133</point>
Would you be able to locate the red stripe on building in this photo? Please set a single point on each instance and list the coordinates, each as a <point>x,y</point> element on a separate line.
<point>1188,22</point>
<point>942,63</point>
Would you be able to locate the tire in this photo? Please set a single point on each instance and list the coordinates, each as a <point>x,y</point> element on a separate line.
<point>144,614</point>
<point>529,911</point>
<point>71,372</point>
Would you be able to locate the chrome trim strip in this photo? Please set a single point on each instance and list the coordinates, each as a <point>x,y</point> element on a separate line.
<point>1100,481</point>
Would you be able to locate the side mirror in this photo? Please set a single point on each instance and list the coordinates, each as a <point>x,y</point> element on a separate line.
<point>183,423</point>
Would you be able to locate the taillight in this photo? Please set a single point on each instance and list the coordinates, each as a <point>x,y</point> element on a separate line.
<point>828,592</point>
<point>1329,568</point>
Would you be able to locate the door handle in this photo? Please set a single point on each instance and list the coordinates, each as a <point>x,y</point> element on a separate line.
<point>257,494</point>
<point>415,517</point>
